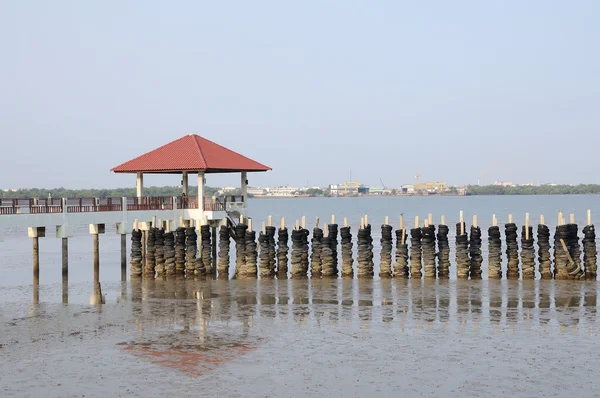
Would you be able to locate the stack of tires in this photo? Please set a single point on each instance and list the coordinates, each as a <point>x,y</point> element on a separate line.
<point>401,264</point>
<point>315,258</point>
<point>223,264</point>
<point>159,253</point>
<point>191,249</point>
<point>543,242</point>
<point>206,248</point>
<point>443,252</point>
<point>494,253</point>
<point>527,254</point>
<point>512,251</point>
<point>462,252</point>
<point>385,263</point>
<point>428,249</point>
<point>180,251</point>
<point>282,253</point>
<point>590,252</point>
<point>365,253</point>
<point>415,253</point>
<point>169,253</point>
<point>476,259</point>
<point>347,259</point>
<point>136,253</point>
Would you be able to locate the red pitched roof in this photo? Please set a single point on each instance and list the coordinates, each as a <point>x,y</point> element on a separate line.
<point>190,153</point>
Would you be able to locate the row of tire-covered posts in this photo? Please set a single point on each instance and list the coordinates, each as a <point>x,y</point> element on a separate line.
<point>156,251</point>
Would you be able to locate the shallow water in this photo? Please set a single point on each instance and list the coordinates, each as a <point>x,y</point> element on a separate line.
<point>297,337</point>
<point>302,337</point>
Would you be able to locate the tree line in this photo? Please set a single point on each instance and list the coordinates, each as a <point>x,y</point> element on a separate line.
<point>534,190</point>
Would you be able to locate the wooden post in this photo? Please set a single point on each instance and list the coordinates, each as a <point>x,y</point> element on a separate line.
<point>65,256</point>
<point>387,220</point>
<point>345,221</point>
<point>250,224</point>
<point>475,221</point>
<point>282,222</point>
<point>416,221</point>
<point>589,217</point>
<point>443,221</point>
<point>96,257</point>
<point>180,222</point>
<point>154,221</point>
<point>366,220</point>
<point>401,221</point>
<point>403,240</point>
<point>303,222</point>
<point>36,258</point>
<point>461,220</point>
<point>426,223</point>
<point>264,228</point>
<point>297,224</point>
<point>527,226</point>
<point>317,222</point>
<point>325,230</point>
<point>494,220</point>
<point>510,218</point>
<point>572,218</point>
<point>333,218</point>
<point>542,220</point>
<point>270,221</point>
<point>362,222</point>
<point>560,217</point>
<point>429,219</point>
<point>136,225</point>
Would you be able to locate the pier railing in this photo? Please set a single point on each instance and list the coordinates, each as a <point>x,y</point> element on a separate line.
<point>92,205</point>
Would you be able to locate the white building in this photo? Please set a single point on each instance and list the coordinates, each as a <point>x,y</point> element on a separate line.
<point>281,191</point>
<point>407,188</point>
<point>256,191</point>
<point>334,189</point>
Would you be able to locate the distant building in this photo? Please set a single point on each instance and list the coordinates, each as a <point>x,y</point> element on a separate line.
<point>229,189</point>
<point>334,189</point>
<point>407,188</point>
<point>256,191</point>
<point>282,191</point>
<point>504,184</point>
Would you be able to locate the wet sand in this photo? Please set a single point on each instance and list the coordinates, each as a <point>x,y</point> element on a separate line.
<point>301,338</point>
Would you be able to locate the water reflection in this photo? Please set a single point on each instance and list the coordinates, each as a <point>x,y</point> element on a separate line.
<point>403,304</point>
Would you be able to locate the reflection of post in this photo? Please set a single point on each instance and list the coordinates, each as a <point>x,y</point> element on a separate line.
<point>123,257</point>
<point>65,289</point>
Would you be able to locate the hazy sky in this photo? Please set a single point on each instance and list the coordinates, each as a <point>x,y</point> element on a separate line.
<point>508,90</point>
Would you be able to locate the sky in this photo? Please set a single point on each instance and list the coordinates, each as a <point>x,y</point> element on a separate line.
<point>321,91</point>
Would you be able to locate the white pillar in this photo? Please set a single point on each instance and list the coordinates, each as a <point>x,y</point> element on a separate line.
<point>244,187</point>
<point>140,184</point>
<point>201,194</point>
<point>184,178</point>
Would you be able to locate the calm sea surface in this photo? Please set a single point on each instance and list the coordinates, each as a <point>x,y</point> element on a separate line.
<point>299,337</point>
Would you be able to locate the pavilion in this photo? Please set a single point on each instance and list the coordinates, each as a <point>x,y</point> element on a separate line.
<point>193,154</point>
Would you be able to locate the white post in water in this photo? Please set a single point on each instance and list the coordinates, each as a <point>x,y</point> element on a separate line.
<point>589,217</point>
<point>139,185</point>
<point>527,226</point>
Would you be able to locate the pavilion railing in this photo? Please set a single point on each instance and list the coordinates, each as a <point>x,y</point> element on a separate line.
<point>90,205</point>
